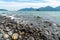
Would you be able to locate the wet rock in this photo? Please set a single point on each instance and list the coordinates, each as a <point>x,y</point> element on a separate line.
<point>10,32</point>
<point>21,33</point>
<point>30,38</point>
<point>46,23</point>
<point>38,17</point>
<point>7,29</point>
<point>13,30</point>
<point>6,36</point>
<point>15,36</point>
<point>1,35</point>
<point>7,39</point>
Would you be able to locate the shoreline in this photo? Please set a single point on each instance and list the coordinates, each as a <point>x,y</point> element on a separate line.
<point>37,30</point>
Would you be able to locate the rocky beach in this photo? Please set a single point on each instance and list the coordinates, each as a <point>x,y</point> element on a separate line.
<point>35,28</point>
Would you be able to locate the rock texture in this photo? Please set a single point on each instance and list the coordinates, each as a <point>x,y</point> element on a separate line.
<point>12,30</point>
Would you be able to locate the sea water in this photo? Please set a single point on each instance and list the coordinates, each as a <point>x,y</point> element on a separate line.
<point>53,16</point>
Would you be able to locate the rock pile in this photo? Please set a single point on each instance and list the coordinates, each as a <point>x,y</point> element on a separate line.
<point>11,30</point>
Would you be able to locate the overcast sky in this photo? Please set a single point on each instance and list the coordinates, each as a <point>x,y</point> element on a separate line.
<point>19,4</point>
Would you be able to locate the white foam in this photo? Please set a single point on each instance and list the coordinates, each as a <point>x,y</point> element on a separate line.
<point>11,17</point>
<point>54,24</point>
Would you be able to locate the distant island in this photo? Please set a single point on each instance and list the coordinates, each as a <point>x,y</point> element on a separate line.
<point>48,8</point>
<point>27,9</point>
<point>3,10</point>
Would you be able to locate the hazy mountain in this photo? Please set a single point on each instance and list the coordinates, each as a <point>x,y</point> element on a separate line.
<point>27,9</point>
<point>57,8</point>
<point>3,10</point>
<point>48,8</point>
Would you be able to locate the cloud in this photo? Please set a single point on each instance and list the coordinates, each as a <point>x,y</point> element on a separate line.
<point>13,5</point>
<point>53,3</point>
<point>22,0</point>
<point>17,5</point>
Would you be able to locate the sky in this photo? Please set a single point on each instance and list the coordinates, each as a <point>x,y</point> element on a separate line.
<point>19,4</point>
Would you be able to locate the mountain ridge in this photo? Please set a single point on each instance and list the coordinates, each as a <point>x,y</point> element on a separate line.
<point>3,10</point>
<point>47,8</point>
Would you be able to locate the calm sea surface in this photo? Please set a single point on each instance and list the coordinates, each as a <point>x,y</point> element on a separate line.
<point>53,16</point>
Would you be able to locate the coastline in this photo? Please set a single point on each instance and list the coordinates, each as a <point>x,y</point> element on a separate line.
<point>36,29</point>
